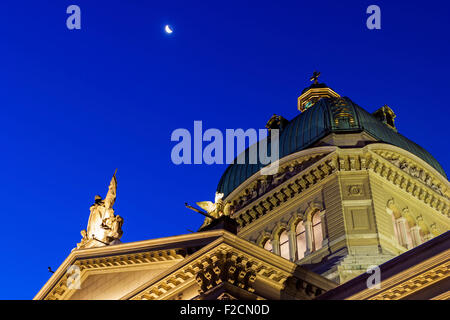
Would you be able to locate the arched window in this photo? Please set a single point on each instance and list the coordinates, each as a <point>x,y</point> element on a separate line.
<point>268,245</point>
<point>317,232</point>
<point>300,235</point>
<point>284,245</point>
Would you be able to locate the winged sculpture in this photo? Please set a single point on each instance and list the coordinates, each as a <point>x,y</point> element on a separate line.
<point>213,209</point>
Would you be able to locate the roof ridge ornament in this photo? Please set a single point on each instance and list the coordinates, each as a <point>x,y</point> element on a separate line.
<point>217,214</point>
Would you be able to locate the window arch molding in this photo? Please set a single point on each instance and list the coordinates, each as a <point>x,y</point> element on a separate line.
<point>263,237</point>
<point>276,233</point>
<point>313,208</point>
<point>294,221</point>
<point>263,241</point>
<point>315,234</point>
<point>278,230</point>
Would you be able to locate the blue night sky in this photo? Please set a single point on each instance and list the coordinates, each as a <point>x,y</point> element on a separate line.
<point>76,105</point>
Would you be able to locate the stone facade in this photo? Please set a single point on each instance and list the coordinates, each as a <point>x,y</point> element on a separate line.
<point>361,195</point>
<point>341,202</point>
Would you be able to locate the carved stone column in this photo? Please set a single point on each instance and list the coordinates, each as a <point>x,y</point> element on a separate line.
<point>292,245</point>
<point>415,233</point>
<point>324,228</point>
<point>402,225</point>
<point>308,236</point>
<point>276,246</point>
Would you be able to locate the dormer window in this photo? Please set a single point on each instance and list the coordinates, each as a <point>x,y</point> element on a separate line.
<point>387,116</point>
<point>277,122</point>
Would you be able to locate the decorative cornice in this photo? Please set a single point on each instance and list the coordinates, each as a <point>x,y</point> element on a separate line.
<point>413,186</point>
<point>298,159</point>
<point>225,267</point>
<point>410,280</point>
<point>443,296</point>
<point>202,268</point>
<point>286,190</point>
<point>415,284</point>
<point>414,171</point>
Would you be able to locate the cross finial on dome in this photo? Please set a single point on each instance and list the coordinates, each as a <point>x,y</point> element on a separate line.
<point>315,77</point>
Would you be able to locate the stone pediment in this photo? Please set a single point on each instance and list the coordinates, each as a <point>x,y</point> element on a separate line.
<point>127,264</point>
<point>240,268</point>
<point>183,267</point>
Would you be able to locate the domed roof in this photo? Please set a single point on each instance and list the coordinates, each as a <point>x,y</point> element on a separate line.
<point>328,115</point>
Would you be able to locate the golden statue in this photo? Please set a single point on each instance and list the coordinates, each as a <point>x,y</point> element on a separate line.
<point>104,228</point>
<point>214,209</point>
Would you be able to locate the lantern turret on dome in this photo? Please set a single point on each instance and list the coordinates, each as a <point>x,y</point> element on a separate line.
<point>314,93</point>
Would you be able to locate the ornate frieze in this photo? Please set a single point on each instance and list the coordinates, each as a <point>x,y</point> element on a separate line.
<point>226,267</point>
<point>226,264</point>
<point>411,178</point>
<point>413,170</point>
<point>270,182</point>
<point>249,211</point>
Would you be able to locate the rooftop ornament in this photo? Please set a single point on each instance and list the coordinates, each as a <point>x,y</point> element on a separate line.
<point>314,93</point>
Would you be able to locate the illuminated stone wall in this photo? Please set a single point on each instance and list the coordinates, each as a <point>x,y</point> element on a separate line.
<point>375,203</point>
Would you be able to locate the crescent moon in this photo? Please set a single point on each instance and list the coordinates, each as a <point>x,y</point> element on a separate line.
<point>167,29</point>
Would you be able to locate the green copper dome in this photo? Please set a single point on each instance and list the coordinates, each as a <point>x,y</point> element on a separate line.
<point>328,115</point>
